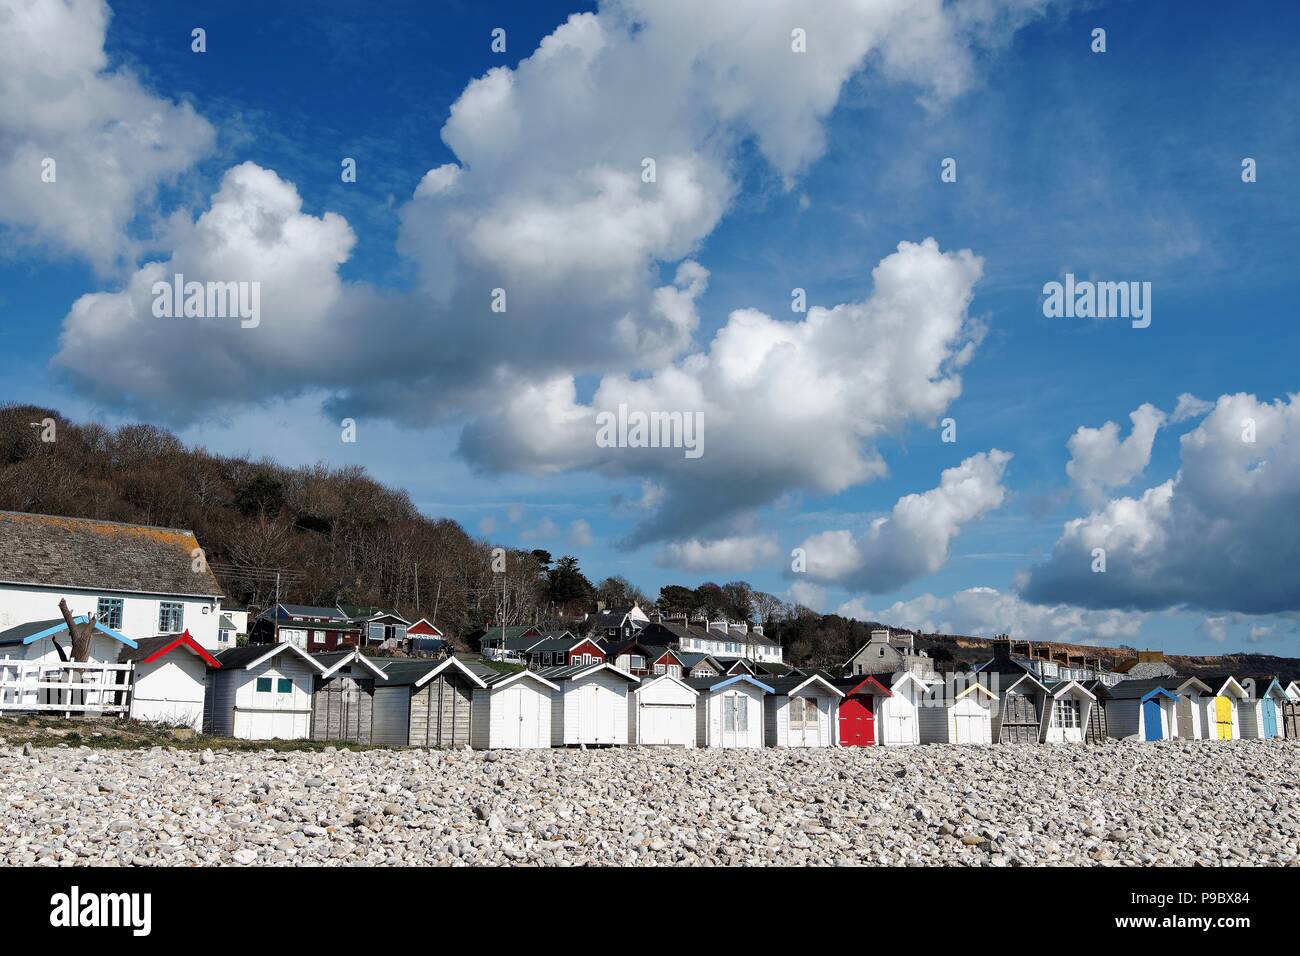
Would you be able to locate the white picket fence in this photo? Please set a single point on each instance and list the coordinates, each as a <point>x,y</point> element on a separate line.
<point>65,687</point>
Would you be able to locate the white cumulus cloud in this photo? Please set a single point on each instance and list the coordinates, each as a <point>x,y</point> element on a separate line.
<point>730,554</point>
<point>916,537</point>
<point>113,142</point>
<point>1222,535</point>
<point>1100,460</point>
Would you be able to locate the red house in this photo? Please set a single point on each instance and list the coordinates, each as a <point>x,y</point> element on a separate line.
<point>862,696</point>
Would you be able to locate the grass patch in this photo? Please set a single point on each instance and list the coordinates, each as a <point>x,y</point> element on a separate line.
<point>122,734</point>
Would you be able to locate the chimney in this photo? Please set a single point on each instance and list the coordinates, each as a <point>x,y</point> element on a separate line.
<point>757,629</point>
<point>880,637</point>
<point>1002,649</point>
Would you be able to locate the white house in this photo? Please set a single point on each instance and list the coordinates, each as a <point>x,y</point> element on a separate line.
<point>140,581</point>
<point>661,712</point>
<point>591,704</point>
<point>801,711</point>
<point>513,711</point>
<point>957,712</point>
<point>729,712</point>
<point>169,680</point>
<point>261,692</point>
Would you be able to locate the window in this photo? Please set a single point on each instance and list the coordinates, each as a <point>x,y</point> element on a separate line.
<point>675,670</point>
<point>109,613</point>
<point>223,636</point>
<point>318,637</point>
<point>1067,714</point>
<point>637,661</point>
<point>735,713</point>
<point>659,669</point>
<point>264,685</point>
<point>803,711</point>
<point>284,686</point>
<point>171,617</point>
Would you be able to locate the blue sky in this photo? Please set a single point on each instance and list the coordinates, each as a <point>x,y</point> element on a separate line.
<point>1123,165</point>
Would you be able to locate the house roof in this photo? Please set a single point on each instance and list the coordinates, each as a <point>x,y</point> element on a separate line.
<point>712,684</point>
<point>424,623</point>
<point>101,556</point>
<point>1224,682</point>
<point>34,631</point>
<point>334,661</point>
<point>149,649</point>
<point>692,660</point>
<point>251,655</point>
<point>1061,688</point>
<point>225,623</point>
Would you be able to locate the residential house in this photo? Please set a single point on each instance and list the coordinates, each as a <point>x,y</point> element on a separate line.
<point>512,710</point>
<point>140,581</point>
<point>169,679</point>
<point>661,712</point>
<point>591,706</point>
<point>617,623</point>
<point>426,637</point>
<point>377,625</point>
<point>425,703</point>
<point>801,711</point>
<point>724,640</point>
<point>261,692</point>
<point>313,629</point>
<point>889,653</point>
<point>698,665</point>
<point>342,703</point>
<point>506,644</point>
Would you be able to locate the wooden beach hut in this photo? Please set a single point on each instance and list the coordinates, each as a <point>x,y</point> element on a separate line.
<point>512,711</point>
<point>591,706</point>
<point>801,711</point>
<point>424,704</point>
<point>342,701</point>
<point>661,712</point>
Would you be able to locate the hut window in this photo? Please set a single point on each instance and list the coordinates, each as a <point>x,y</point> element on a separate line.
<point>264,685</point>
<point>284,686</point>
<point>1067,713</point>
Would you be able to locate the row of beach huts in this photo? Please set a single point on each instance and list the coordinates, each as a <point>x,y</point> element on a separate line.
<point>280,691</point>
<point>161,651</point>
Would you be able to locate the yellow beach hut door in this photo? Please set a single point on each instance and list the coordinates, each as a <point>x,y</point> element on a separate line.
<point>1223,718</point>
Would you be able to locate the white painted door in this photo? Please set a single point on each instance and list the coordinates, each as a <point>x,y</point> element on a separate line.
<point>610,704</point>
<point>663,724</point>
<point>972,723</point>
<point>510,700</point>
<point>588,700</point>
<point>735,720</point>
<point>804,715</point>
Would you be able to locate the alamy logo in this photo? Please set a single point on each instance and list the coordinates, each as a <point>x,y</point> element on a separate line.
<point>1098,300</point>
<point>208,300</point>
<point>76,909</point>
<point>651,430</point>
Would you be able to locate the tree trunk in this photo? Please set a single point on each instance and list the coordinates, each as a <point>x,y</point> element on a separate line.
<point>81,634</point>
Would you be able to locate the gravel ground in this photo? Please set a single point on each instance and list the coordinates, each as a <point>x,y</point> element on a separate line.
<point>1119,803</point>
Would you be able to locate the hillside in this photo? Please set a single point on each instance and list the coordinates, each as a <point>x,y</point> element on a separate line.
<point>334,535</point>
